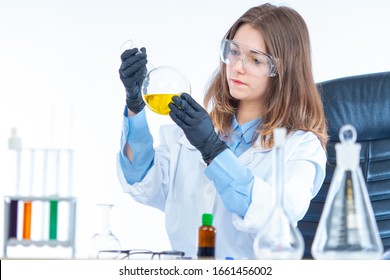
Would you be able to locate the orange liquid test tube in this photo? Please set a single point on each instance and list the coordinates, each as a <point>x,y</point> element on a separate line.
<point>27,220</point>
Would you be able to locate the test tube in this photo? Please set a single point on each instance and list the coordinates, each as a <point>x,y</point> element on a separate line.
<point>70,172</point>
<point>27,209</point>
<point>13,213</point>
<point>13,219</point>
<point>44,192</point>
<point>53,219</point>
<point>54,203</point>
<point>15,143</point>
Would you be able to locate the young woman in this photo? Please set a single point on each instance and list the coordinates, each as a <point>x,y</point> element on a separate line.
<point>221,162</point>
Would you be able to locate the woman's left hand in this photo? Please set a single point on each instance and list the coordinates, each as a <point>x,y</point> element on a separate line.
<point>197,126</point>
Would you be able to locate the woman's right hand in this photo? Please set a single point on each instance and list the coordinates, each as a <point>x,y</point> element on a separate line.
<point>132,72</point>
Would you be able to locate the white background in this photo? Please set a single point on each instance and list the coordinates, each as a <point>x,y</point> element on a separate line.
<point>59,83</point>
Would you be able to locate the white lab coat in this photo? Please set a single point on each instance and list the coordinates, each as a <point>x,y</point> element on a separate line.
<point>177,185</point>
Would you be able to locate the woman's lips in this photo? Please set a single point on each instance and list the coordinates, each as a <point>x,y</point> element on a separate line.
<point>237,82</point>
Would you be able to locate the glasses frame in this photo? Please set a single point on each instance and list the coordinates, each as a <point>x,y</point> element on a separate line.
<point>128,253</point>
<point>273,61</point>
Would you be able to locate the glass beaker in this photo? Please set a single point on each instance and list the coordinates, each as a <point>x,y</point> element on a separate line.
<point>278,239</point>
<point>104,244</point>
<point>347,227</point>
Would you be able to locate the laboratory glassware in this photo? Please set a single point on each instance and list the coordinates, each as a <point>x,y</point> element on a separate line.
<point>278,238</point>
<point>160,84</point>
<point>53,212</point>
<point>104,244</point>
<point>206,238</point>
<point>386,255</point>
<point>347,228</point>
<point>53,218</point>
<point>129,44</point>
<point>27,207</point>
<point>22,222</point>
<point>69,220</point>
<point>13,219</point>
<point>15,143</point>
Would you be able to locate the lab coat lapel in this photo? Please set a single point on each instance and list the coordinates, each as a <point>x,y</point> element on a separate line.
<point>248,156</point>
<point>207,192</point>
<point>184,141</point>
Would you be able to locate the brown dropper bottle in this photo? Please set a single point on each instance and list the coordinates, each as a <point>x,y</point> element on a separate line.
<point>206,238</point>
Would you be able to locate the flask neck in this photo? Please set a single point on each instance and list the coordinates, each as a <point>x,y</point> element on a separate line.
<point>104,216</point>
<point>348,155</point>
<point>278,175</point>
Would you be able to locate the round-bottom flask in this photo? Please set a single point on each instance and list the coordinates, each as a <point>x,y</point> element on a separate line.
<point>104,244</point>
<point>160,85</point>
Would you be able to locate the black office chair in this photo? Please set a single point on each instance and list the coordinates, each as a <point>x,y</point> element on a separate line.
<point>364,102</point>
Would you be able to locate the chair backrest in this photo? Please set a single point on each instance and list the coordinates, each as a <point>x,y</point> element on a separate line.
<point>364,102</point>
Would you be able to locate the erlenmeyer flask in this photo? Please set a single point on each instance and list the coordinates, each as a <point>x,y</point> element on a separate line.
<point>347,227</point>
<point>278,239</point>
<point>103,244</point>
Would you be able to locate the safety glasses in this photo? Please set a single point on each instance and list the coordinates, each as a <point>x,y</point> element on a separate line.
<point>254,62</point>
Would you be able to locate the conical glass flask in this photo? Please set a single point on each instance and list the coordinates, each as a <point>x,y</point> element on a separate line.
<point>103,244</point>
<point>278,239</point>
<point>347,227</point>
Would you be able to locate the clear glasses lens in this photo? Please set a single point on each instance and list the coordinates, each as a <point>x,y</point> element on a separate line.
<point>254,62</point>
<point>168,255</point>
<point>108,255</point>
<point>140,254</point>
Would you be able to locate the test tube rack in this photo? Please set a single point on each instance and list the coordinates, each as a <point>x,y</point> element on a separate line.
<point>12,207</point>
<point>42,211</point>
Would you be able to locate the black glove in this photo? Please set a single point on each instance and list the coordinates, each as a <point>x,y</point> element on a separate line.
<point>197,126</point>
<point>132,72</point>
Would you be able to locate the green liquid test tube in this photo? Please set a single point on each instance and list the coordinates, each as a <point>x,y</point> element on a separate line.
<point>53,219</point>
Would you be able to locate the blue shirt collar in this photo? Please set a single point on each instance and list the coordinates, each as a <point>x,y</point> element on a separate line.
<point>246,130</point>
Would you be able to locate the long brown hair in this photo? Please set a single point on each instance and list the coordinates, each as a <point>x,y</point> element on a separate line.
<point>292,99</point>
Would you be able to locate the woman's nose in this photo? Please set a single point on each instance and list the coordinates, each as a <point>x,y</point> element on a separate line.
<point>239,65</point>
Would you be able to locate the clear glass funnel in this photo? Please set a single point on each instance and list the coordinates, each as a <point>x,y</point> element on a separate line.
<point>347,228</point>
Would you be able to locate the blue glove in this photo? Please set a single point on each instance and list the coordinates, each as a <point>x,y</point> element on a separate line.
<point>197,126</point>
<point>132,72</point>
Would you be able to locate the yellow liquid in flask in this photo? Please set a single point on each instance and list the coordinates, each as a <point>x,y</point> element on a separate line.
<point>159,102</point>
